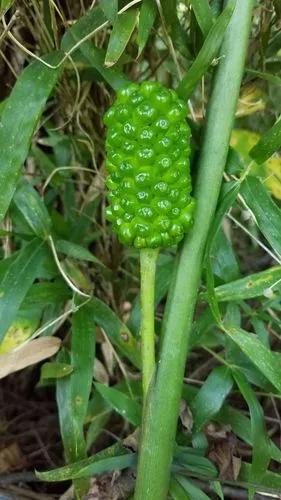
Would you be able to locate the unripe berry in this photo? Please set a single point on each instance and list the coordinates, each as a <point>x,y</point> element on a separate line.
<point>148,152</point>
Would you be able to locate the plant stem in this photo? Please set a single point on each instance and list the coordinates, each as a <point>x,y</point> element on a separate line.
<point>148,259</point>
<point>160,422</point>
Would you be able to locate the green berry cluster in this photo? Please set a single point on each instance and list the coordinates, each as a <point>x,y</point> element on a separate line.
<point>148,152</point>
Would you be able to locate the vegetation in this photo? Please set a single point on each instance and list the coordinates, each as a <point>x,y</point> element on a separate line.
<point>161,359</point>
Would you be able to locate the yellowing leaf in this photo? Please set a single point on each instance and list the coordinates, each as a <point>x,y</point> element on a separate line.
<point>251,100</point>
<point>19,331</point>
<point>243,141</point>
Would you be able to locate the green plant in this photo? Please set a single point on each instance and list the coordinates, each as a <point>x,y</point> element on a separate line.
<point>149,181</point>
<point>90,190</point>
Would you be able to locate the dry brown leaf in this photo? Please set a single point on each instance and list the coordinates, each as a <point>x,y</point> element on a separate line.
<point>29,354</point>
<point>186,416</point>
<point>10,458</point>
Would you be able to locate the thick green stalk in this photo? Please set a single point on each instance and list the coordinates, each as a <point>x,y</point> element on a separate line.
<point>148,259</point>
<point>160,422</point>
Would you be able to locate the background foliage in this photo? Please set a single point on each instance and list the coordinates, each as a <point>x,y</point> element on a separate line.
<point>69,292</point>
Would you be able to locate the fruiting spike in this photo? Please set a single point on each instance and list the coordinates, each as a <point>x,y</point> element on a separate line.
<point>148,164</point>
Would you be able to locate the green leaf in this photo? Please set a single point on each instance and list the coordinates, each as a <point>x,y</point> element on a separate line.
<point>269,77</point>
<point>19,120</point>
<point>17,280</point>
<point>147,17</point>
<point>239,423</point>
<point>114,457</point>
<point>269,143</point>
<point>76,251</point>
<point>263,358</point>
<point>227,200</point>
<point>223,259</point>
<point>270,482</point>
<point>206,55</point>
<point>260,441</point>
<point>203,14</point>
<point>194,493</point>
<point>73,392</point>
<point>177,492</point>
<point>254,285</point>
<point>110,8</point>
<point>120,402</point>
<point>174,28</point>
<point>55,370</point>
<point>266,212</point>
<point>5,5</point>
<point>117,332</point>
<point>32,207</point>
<point>97,416</point>
<point>211,396</point>
<point>191,461</point>
<point>123,28</point>
<point>87,52</point>
<point>43,294</point>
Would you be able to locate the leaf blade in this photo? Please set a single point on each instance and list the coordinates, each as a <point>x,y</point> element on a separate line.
<point>19,120</point>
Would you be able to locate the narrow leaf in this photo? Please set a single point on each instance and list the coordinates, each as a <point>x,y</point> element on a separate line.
<point>32,208</point>
<point>123,28</point>
<point>120,402</point>
<point>194,493</point>
<point>269,143</point>
<point>73,392</point>
<point>76,251</point>
<point>19,120</point>
<point>110,8</point>
<point>211,396</point>
<point>203,14</point>
<point>147,17</point>
<point>262,357</point>
<point>55,370</point>
<point>260,442</point>
<point>267,213</point>
<point>206,55</point>
<point>87,52</point>
<point>109,459</point>
<point>118,332</point>
<point>17,280</point>
<point>254,285</point>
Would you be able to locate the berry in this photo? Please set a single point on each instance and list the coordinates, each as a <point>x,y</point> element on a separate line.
<point>148,150</point>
